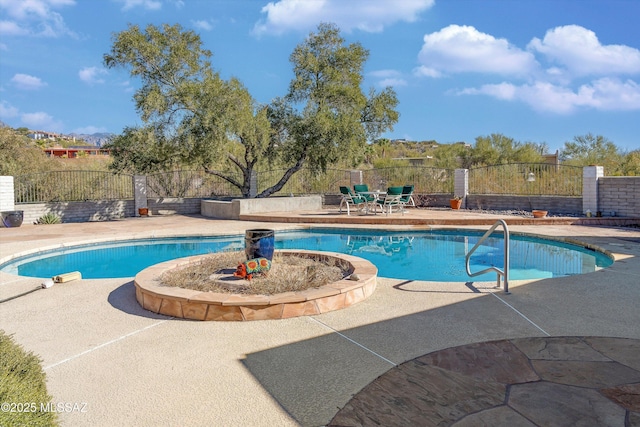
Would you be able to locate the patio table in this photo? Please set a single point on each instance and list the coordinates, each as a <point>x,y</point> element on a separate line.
<point>376,195</point>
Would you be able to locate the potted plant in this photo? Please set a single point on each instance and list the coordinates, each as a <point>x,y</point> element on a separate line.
<point>538,213</point>
<point>455,202</point>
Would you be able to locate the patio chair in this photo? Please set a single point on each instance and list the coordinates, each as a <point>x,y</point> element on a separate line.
<point>407,196</point>
<point>391,200</point>
<point>359,188</point>
<point>349,198</point>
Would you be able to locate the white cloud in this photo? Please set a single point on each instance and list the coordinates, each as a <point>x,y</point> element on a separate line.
<point>41,120</point>
<point>91,75</point>
<point>580,52</point>
<point>574,51</point>
<point>388,78</point>
<point>604,94</point>
<point>145,4</point>
<point>364,15</point>
<point>10,28</point>
<point>34,17</point>
<point>202,25</point>
<point>463,49</point>
<point>27,82</point>
<point>423,71</point>
<point>8,111</point>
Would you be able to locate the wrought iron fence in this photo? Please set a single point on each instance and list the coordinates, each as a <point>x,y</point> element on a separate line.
<point>189,183</point>
<point>72,186</point>
<point>513,179</point>
<point>527,179</point>
<point>426,180</point>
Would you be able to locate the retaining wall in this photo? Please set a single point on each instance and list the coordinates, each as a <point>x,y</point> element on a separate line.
<point>235,208</point>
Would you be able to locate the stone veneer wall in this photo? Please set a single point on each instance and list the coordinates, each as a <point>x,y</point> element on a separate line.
<point>169,206</point>
<point>107,210</point>
<point>619,195</point>
<point>78,211</point>
<point>555,205</point>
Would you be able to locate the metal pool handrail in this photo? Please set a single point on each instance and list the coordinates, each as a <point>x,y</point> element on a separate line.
<point>504,273</point>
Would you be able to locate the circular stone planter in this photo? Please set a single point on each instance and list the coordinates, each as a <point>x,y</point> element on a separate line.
<point>198,305</point>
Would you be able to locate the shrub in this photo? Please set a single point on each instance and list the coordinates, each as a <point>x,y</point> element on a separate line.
<point>22,383</point>
<point>49,218</point>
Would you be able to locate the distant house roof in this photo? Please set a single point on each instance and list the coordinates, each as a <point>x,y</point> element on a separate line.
<point>73,152</point>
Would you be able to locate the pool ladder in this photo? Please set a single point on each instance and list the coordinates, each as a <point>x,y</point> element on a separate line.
<point>504,273</point>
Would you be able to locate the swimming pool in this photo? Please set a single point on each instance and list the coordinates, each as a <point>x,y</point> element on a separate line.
<point>436,255</point>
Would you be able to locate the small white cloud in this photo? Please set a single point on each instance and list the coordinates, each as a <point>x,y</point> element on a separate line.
<point>423,71</point>
<point>393,82</point>
<point>145,4</point>
<point>91,75</point>
<point>41,120</point>
<point>364,15</point>
<point>580,52</point>
<point>27,82</point>
<point>8,111</point>
<point>202,25</point>
<point>388,78</point>
<point>463,49</point>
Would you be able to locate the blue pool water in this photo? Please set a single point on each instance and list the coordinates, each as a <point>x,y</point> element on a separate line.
<point>417,255</point>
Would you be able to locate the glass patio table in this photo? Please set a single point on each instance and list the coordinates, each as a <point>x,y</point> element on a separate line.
<point>376,195</point>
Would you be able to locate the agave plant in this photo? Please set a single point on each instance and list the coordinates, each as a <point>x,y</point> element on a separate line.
<point>49,218</point>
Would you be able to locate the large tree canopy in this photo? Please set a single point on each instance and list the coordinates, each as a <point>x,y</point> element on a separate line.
<point>192,116</point>
<point>590,149</point>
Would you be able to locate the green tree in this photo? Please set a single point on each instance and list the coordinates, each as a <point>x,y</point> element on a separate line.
<point>590,149</point>
<point>497,149</point>
<point>631,164</point>
<point>192,116</point>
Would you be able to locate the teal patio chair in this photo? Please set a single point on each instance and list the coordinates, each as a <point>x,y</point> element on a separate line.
<point>391,200</point>
<point>407,196</point>
<point>348,198</point>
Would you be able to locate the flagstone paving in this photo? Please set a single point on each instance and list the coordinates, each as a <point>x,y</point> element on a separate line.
<point>552,381</point>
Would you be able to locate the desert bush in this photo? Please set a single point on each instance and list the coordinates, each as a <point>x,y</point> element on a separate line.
<point>22,387</point>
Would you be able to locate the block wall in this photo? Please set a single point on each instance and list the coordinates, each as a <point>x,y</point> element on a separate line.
<point>619,196</point>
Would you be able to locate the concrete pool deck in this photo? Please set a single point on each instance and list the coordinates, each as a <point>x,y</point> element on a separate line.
<point>133,367</point>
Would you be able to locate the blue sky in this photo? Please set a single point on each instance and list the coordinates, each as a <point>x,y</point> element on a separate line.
<point>535,70</point>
